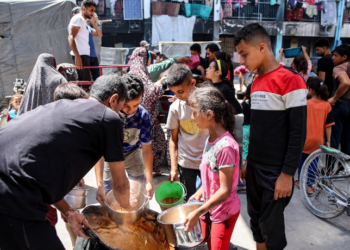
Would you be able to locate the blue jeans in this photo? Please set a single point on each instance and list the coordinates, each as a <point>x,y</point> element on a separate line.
<point>341,128</point>
<point>95,72</point>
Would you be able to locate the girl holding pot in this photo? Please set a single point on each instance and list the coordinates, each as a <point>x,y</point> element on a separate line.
<point>219,168</point>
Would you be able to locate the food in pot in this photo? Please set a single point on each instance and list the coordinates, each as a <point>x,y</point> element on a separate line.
<point>145,234</point>
<point>170,200</point>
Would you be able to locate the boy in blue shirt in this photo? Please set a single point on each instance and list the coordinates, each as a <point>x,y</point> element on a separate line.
<point>137,142</point>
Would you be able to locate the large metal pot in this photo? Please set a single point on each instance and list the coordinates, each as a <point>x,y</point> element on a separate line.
<point>127,217</point>
<point>76,198</point>
<point>172,221</point>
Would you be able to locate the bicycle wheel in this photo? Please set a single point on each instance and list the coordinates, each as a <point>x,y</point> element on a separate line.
<point>322,202</point>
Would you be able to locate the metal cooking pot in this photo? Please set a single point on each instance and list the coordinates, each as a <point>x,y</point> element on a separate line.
<point>126,217</point>
<point>76,198</point>
<point>172,221</point>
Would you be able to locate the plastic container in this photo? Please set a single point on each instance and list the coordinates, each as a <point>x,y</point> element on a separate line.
<point>195,61</point>
<point>166,189</point>
<point>292,52</point>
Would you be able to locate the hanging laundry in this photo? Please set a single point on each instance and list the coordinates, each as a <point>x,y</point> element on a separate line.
<point>228,9</point>
<point>167,29</point>
<point>210,3</point>
<point>273,2</point>
<point>147,9</point>
<point>329,14</point>
<point>291,3</point>
<point>311,11</point>
<point>312,2</point>
<point>133,10</point>
<point>217,6</point>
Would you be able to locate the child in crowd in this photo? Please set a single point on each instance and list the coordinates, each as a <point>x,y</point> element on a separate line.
<point>137,142</point>
<point>277,136</point>
<point>217,72</point>
<point>187,139</point>
<point>340,99</point>
<point>15,102</point>
<point>219,168</point>
<point>246,131</point>
<point>319,122</point>
<point>301,64</point>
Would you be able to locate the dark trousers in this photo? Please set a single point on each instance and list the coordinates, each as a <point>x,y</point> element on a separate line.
<point>84,74</point>
<point>266,214</point>
<point>95,72</point>
<point>18,234</point>
<point>188,177</point>
<point>341,128</point>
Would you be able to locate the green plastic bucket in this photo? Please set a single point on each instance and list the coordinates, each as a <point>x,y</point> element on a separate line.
<point>166,189</point>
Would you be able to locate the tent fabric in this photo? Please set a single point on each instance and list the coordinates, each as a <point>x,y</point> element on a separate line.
<point>168,28</point>
<point>29,28</point>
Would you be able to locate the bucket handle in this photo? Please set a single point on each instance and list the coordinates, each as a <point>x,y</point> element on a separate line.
<point>179,226</point>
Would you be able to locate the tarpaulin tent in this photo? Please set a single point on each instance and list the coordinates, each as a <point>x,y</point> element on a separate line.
<point>27,29</point>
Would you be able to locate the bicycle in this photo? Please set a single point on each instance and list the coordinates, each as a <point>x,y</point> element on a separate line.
<point>327,172</point>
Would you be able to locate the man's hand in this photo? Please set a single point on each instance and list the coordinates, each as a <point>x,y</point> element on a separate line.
<point>78,62</point>
<point>283,186</point>
<point>191,221</point>
<point>101,196</point>
<point>93,20</point>
<point>81,183</point>
<point>332,100</point>
<point>149,190</point>
<point>243,172</point>
<point>173,176</point>
<point>76,220</point>
<point>328,144</point>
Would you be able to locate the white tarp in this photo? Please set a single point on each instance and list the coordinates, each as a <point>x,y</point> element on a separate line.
<point>172,29</point>
<point>29,28</point>
<point>112,56</point>
<point>171,49</point>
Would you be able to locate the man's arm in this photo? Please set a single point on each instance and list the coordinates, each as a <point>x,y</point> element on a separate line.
<point>97,32</point>
<point>173,150</point>
<point>147,154</point>
<point>344,84</point>
<point>72,34</point>
<point>328,136</point>
<point>121,185</point>
<point>74,218</point>
<point>321,75</point>
<point>100,194</point>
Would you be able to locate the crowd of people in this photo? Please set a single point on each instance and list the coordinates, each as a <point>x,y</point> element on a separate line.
<point>62,131</point>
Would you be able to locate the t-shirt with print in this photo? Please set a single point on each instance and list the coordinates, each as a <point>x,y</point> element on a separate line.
<point>222,153</point>
<point>137,130</point>
<point>319,117</point>
<point>82,38</point>
<point>191,139</point>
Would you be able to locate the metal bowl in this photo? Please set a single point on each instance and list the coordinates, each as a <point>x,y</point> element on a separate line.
<point>76,198</point>
<point>127,217</point>
<point>175,218</point>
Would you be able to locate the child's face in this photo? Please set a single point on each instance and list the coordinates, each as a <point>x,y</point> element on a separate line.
<point>338,59</point>
<point>200,118</point>
<point>183,91</point>
<point>16,102</point>
<point>211,72</point>
<point>130,107</point>
<point>252,57</point>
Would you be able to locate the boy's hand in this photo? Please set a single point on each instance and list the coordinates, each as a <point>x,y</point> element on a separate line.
<point>196,197</point>
<point>101,196</point>
<point>243,172</point>
<point>149,190</point>
<point>303,48</point>
<point>281,51</point>
<point>332,100</point>
<point>173,176</point>
<point>283,186</point>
